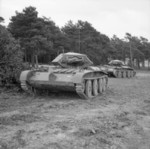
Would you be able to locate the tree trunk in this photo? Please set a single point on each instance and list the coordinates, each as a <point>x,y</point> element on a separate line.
<point>143,63</point>
<point>25,55</point>
<point>36,61</point>
<point>138,63</point>
<point>32,60</point>
<point>148,63</point>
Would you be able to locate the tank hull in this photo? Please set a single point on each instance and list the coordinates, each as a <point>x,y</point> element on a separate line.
<point>119,72</point>
<point>31,81</point>
<point>71,72</point>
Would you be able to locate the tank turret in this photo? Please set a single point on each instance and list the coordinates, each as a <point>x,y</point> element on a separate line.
<point>71,59</point>
<point>116,63</point>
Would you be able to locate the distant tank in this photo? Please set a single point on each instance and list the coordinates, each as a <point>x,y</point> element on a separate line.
<point>118,69</point>
<point>68,72</point>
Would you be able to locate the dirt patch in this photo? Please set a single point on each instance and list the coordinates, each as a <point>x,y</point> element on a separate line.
<point>118,119</point>
<point>17,118</point>
<point>16,141</point>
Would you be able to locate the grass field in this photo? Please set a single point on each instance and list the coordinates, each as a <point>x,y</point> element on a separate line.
<point>118,119</point>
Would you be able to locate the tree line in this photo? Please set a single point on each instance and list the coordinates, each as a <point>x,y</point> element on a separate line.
<point>28,35</point>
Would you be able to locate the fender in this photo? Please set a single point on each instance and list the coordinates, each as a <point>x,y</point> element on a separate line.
<point>25,75</point>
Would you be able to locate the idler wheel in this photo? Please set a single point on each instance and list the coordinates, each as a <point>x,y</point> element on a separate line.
<point>88,88</point>
<point>95,87</point>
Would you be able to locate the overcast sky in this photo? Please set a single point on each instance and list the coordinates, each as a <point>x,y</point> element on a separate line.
<point>107,16</point>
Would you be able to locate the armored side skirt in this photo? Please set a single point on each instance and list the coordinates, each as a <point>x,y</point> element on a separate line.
<point>63,86</point>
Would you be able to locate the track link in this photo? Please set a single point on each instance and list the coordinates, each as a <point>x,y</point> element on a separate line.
<point>27,88</point>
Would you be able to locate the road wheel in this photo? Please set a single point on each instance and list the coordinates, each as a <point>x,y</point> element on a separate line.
<point>104,84</point>
<point>100,85</point>
<point>88,88</point>
<point>119,74</point>
<point>84,86</point>
<point>128,74</point>
<point>115,73</point>
<point>131,74</point>
<point>95,87</point>
<point>124,74</point>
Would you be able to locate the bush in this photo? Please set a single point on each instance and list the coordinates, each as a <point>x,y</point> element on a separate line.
<point>11,59</point>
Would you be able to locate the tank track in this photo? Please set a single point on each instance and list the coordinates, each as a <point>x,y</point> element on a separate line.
<point>24,77</point>
<point>27,88</point>
<point>81,90</point>
<point>24,86</point>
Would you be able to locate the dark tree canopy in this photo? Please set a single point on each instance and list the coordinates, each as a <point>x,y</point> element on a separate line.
<point>28,35</point>
<point>41,37</point>
<point>82,37</point>
<point>37,36</point>
<point>1,19</point>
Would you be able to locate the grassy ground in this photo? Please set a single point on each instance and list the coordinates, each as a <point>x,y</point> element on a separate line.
<point>118,119</point>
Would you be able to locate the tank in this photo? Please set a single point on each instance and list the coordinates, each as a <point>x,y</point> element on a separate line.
<point>117,69</point>
<point>67,72</point>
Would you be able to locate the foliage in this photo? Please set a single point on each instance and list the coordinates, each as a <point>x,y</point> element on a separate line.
<point>10,58</point>
<point>41,37</point>
<point>37,36</point>
<point>82,37</point>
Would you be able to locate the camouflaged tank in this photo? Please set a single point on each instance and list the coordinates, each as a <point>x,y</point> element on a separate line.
<point>68,72</point>
<point>118,69</point>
